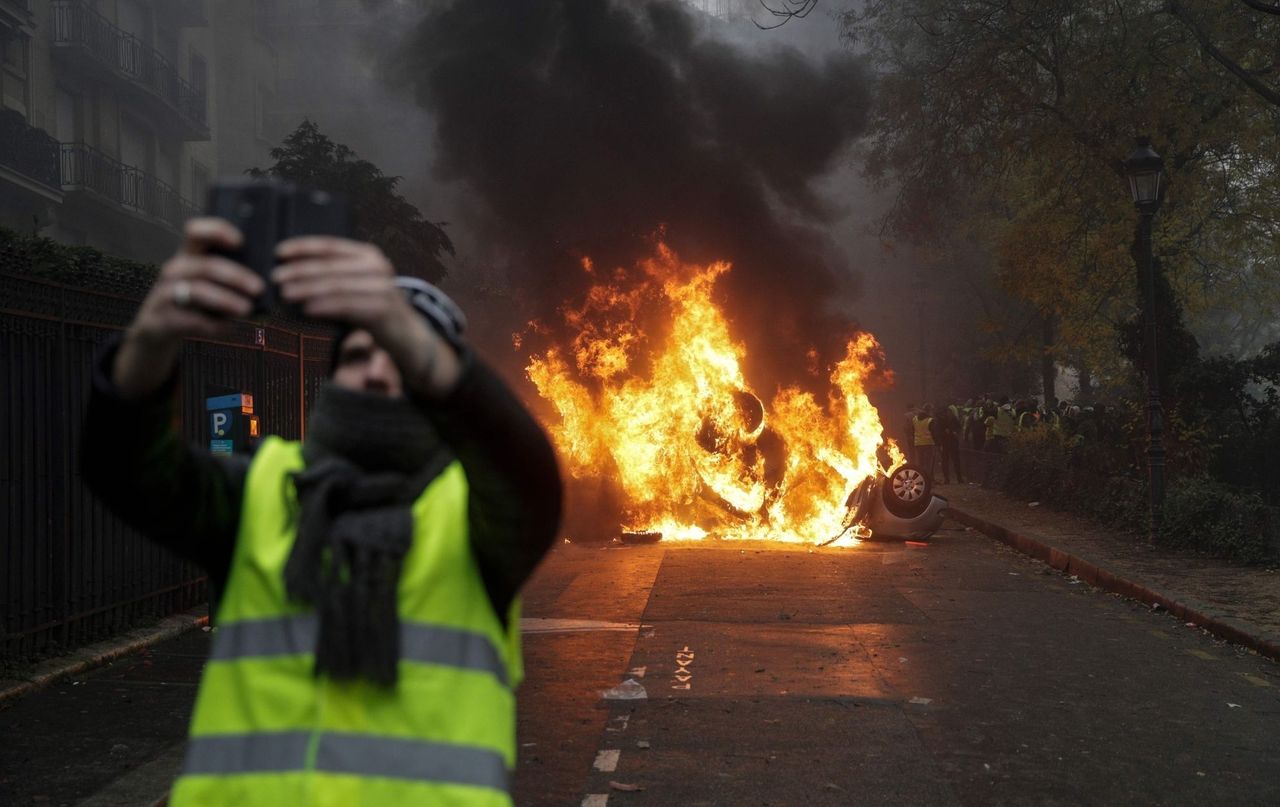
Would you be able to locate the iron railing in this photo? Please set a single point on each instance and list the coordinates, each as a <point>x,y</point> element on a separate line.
<point>30,151</point>
<point>22,7</point>
<point>72,573</point>
<point>85,168</point>
<point>78,26</point>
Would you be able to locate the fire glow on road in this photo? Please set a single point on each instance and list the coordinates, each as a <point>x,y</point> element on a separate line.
<point>652,402</point>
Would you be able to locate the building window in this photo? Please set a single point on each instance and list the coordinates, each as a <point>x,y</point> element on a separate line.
<point>198,73</point>
<point>135,145</point>
<point>16,93</point>
<point>70,120</point>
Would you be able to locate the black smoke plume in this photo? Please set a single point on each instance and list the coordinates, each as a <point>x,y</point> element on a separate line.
<point>586,125</point>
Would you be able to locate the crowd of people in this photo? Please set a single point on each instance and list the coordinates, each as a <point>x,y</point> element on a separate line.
<point>933,434</point>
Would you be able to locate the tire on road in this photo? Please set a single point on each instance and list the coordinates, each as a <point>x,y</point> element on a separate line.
<point>907,491</point>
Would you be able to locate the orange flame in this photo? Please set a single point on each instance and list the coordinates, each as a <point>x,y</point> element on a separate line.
<point>671,420</point>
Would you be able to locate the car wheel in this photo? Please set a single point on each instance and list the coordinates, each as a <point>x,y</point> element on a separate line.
<point>907,492</point>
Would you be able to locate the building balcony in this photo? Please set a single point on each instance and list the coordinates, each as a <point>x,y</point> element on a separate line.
<point>84,37</point>
<point>86,170</point>
<point>15,13</point>
<point>28,156</point>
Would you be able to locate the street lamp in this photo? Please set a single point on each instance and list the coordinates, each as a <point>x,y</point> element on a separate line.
<point>1145,171</point>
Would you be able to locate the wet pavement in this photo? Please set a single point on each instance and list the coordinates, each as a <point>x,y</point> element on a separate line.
<point>955,672</point>
<point>101,733</point>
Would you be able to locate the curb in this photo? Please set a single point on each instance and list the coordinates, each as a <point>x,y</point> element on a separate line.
<point>1107,580</point>
<point>96,655</point>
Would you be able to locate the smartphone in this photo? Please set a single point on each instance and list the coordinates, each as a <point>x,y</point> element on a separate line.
<point>267,211</point>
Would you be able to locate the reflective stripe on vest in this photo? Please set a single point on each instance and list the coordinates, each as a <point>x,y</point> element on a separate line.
<point>358,754</point>
<point>426,644</point>
<point>267,731</point>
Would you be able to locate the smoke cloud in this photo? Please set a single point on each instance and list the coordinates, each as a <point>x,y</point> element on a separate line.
<point>584,126</point>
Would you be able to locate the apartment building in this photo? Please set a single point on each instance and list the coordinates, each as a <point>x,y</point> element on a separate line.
<point>116,114</point>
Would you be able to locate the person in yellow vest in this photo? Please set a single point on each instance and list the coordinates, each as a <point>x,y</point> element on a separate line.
<point>1004,426</point>
<point>367,646</point>
<point>922,434</point>
<point>1028,416</point>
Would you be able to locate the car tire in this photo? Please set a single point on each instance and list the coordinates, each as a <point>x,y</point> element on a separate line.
<point>907,491</point>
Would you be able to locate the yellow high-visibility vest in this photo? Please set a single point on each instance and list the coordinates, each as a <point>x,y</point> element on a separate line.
<point>267,731</point>
<point>1005,424</point>
<point>924,437</point>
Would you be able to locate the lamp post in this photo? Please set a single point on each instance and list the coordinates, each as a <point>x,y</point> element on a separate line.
<point>1145,171</point>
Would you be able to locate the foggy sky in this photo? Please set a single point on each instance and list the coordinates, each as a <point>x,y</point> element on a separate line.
<point>582,126</point>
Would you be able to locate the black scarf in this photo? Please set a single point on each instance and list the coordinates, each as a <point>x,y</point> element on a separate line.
<point>368,459</point>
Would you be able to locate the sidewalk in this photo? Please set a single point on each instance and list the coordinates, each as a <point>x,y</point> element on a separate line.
<point>90,657</point>
<point>112,736</point>
<point>1235,602</point>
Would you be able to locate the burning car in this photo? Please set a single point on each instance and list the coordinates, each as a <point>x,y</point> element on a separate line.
<point>898,504</point>
<point>648,402</point>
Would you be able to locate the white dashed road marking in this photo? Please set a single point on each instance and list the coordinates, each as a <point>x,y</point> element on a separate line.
<point>607,760</point>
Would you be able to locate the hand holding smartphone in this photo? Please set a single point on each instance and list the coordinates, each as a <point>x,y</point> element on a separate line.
<point>268,211</point>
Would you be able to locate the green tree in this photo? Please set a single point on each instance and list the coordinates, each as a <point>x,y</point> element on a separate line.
<point>1007,120</point>
<point>380,214</point>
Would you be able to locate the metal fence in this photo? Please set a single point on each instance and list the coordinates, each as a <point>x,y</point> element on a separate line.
<point>70,572</point>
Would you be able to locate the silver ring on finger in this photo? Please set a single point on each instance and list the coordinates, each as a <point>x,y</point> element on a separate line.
<point>182,294</point>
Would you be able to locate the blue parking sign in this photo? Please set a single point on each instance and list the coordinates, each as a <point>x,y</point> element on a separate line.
<point>220,424</point>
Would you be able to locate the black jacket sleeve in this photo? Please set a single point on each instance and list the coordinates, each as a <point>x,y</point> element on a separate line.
<point>133,458</point>
<point>515,498</point>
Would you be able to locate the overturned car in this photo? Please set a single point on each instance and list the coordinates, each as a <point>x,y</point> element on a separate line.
<point>895,505</point>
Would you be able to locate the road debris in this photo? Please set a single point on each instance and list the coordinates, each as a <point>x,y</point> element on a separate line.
<point>628,690</point>
<point>635,538</point>
<point>625,787</point>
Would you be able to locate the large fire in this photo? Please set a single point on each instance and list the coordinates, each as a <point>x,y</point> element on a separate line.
<point>664,414</point>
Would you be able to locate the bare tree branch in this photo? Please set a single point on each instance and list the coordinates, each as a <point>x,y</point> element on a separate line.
<point>1265,8</point>
<point>790,10</point>
<point>1270,94</point>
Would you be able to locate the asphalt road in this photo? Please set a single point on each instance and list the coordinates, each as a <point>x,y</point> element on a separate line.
<point>956,672</point>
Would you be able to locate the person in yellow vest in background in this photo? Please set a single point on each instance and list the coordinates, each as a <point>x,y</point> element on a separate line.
<point>926,447</point>
<point>1028,415</point>
<point>977,425</point>
<point>1003,426</point>
<point>367,646</point>
<point>989,411</point>
<point>909,433</point>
